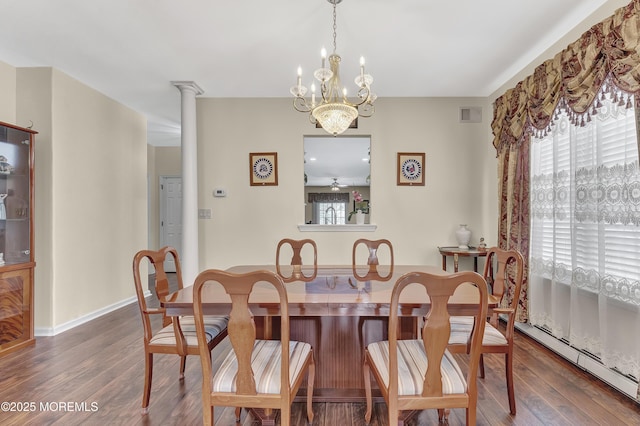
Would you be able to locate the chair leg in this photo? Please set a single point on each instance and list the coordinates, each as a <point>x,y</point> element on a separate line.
<point>238,412</point>
<point>508,366</point>
<point>285,415</point>
<point>148,373</point>
<point>481,365</point>
<point>207,412</point>
<point>361,321</point>
<point>183,364</point>
<point>471,414</point>
<point>394,414</point>
<point>367,390</point>
<point>311,377</point>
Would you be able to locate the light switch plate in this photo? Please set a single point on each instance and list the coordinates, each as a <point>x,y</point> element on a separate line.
<point>204,213</point>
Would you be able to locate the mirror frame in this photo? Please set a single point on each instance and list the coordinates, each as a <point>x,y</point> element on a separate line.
<point>342,176</point>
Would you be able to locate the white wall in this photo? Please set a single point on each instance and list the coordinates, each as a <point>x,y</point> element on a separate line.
<point>247,224</point>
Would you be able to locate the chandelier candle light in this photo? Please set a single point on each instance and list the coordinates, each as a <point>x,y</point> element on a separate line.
<point>333,110</point>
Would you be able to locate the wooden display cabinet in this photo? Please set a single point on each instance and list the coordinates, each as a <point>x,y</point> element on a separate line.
<point>16,237</point>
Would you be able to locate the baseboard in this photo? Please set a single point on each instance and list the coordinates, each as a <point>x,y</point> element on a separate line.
<point>616,380</point>
<point>52,331</point>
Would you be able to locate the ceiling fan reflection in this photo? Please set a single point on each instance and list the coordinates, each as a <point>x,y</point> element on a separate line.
<point>335,186</point>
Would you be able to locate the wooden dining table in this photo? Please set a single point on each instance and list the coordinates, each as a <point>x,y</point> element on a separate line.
<point>337,314</point>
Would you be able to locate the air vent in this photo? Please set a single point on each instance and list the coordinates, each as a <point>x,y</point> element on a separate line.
<point>470,115</point>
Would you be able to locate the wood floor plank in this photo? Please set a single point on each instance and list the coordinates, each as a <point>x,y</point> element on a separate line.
<point>102,362</point>
<point>581,393</point>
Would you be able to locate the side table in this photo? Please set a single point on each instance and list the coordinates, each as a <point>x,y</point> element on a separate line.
<point>457,252</point>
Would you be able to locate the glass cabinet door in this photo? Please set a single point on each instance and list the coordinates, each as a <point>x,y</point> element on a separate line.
<point>15,197</point>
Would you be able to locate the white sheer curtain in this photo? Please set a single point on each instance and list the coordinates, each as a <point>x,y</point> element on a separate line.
<point>584,281</point>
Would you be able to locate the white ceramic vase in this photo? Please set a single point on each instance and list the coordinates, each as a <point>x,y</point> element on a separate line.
<point>463,235</point>
<point>359,218</point>
<point>3,210</point>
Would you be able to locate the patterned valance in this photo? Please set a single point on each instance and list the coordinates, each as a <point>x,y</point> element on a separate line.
<point>328,197</point>
<point>608,52</point>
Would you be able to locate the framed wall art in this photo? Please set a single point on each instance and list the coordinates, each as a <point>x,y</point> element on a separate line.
<point>411,168</point>
<point>263,168</point>
<point>363,206</point>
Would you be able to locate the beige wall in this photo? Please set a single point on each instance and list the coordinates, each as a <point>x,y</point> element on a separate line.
<point>91,195</point>
<point>8,91</point>
<point>247,224</point>
<point>34,105</point>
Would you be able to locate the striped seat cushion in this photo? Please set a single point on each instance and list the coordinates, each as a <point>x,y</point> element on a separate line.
<point>461,330</point>
<point>266,363</point>
<point>213,325</point>
<point>412,367</point>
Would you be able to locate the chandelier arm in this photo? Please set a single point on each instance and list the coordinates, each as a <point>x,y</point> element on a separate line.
<point>301,104</point>
<point>364,99</point>
<point>367,110</point>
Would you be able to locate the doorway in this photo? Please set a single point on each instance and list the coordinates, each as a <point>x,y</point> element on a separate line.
<point>171,216</point>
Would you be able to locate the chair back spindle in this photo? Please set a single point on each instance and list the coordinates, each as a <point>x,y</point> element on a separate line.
<point>297,266</point>
<point>373,261</point>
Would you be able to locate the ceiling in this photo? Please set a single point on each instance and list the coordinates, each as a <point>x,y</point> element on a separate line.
<point>345,158</point>
<point>131,50</point>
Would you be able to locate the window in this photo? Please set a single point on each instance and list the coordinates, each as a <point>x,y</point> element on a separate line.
<point>330,213</point>
<point>584,281</point>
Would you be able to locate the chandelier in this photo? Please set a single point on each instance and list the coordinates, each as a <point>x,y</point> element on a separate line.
<point>333,110</point>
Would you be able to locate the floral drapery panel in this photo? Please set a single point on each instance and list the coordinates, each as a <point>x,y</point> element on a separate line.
<point>609,52</point>
<point>610,49</point>
<point>513,230</point>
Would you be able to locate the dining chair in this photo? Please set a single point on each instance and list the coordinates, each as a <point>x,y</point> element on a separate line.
<point>421,373</point>
<point>372,260</point>
<point>177,335</point>
<point>262,374</point>
<point>503,270</point>
<point>297,247</point>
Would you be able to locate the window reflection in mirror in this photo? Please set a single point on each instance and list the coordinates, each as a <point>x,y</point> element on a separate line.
<point>335,167</point>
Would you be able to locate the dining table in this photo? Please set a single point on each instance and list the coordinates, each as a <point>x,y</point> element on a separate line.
<point>334,312</point>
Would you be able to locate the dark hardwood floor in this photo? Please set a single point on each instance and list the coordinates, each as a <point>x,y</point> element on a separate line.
<point>93,375</point>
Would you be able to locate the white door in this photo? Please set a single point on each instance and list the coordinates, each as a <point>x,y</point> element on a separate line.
<point>171,215</point>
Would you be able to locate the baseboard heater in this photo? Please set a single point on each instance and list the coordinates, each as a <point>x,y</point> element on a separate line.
<point>582,359</point>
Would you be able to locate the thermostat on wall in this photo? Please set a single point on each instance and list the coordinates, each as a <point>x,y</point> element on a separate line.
<point>219,192</point>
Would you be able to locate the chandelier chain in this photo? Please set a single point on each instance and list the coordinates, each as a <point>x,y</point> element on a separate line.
<point>335,27</point>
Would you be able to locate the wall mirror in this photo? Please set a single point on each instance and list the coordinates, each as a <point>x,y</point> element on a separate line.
<point>335,167</point>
